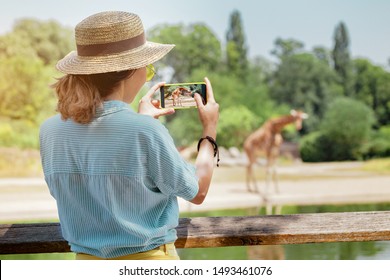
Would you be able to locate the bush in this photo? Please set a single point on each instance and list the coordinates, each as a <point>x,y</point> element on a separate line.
<point>379,145</point>
<point>185,127</point>
<point>347,126</point>
<point>343,133</point>
<point>309,148</point>
<point>20,134</point>
<point>314,147</point>
<point>235,124</point>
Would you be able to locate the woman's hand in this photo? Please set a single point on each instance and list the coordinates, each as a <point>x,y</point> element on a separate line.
<point>150,107</point>
<point>209,113</point>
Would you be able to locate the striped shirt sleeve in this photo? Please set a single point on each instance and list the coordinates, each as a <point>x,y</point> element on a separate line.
<point>169,171</point>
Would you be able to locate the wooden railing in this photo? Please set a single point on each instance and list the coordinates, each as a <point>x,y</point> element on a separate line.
<point>224,231</point>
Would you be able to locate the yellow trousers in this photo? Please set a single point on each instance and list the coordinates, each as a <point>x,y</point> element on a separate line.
<point>164,252</point>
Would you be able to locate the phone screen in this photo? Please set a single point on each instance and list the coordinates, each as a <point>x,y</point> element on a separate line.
<point>181,96</point>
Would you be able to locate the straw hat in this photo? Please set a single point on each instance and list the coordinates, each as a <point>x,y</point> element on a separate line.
<point>109,42</point>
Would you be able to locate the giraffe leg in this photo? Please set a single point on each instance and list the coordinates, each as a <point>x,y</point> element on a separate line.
<point>251,178</point>
<point>268,176</point>
<point>276,180</point>
<point>248,176</point>
<point>273,169</point>
<point>272,177</point>
<point>249,169</point>
<point>276,177</point>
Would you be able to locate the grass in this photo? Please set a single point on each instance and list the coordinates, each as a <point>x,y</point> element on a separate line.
<point>380,166</point>
<point>16,163</point>
<point>44,256</point>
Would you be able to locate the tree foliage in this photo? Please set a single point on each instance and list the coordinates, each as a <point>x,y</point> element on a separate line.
<point>197,47</point>
<point>26,70</point>
<point>232,96</point>
<point>236,123</point>
<point>342,59</point>
<point>372,86</point>
<point>304,82</point>
<point>24,90</point>
<point>286,47</point>
<point>347,139</point>
<point>236,49</point>
<point>344,131</point>
<point>249,90</point>
<point>49,40</point>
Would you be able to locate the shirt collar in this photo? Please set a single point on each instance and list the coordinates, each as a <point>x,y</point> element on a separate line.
<point>112,106</point>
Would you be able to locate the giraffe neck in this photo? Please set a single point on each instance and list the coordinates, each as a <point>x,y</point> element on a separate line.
<point>281,122</point>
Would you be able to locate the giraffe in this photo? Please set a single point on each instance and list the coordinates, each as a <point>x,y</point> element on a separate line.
<point>268,139</point>
<point>180,91</point>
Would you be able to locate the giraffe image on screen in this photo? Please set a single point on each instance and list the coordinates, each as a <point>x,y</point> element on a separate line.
<point>180,96</point>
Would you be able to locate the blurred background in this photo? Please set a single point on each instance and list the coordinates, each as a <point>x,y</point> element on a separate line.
<point>330,59</point>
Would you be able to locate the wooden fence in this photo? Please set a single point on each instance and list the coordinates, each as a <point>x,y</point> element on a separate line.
<point>206,232</point>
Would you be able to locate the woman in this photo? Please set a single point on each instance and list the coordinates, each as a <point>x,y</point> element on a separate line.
<point>116,174</point>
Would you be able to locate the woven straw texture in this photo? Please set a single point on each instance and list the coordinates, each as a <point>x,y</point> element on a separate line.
<point>108,28</point>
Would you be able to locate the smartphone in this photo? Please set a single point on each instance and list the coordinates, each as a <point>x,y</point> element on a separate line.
<point>181,96</point>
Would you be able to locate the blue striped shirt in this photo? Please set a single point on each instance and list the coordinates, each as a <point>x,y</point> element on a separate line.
<point>115,181</point>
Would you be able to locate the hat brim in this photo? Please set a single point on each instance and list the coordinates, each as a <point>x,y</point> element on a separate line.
<point>146,54</point>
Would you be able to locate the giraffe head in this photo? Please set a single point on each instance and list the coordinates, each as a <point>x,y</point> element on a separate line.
<point>298,117</point>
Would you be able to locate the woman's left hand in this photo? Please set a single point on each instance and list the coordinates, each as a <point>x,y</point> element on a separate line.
<point>150,107</point>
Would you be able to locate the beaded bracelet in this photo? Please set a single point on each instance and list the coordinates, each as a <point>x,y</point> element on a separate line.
<point>215,146</point>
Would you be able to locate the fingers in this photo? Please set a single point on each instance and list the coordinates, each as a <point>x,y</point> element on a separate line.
<point>151,107</point>
<point>209,90</point>
<point>153,89</point>
<point>164,112</point>
<point>156,103</point>
<point>198,100</point>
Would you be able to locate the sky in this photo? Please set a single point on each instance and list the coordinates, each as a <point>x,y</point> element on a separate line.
<point>310,21</point>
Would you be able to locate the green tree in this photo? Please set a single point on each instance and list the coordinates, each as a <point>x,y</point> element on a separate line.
<point>27,56</point>
<point>304,82</point>
<point>235,124</point>
<point>250,99</point>
<point>343,134</point>
<point>286,48</point>
<point>24,88</point>
<point>322,54</point>
<point>12,44</point>
<point>341,58</point>
<point>25,100</point>
<point>372,86</point>
<point>236,49</point>
<point>197,47</point>
<point>49,40</point>
<point>347,125</point>
<point>379,144</point>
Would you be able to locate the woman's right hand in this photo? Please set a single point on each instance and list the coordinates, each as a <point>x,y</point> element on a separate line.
<point>150,107</point>
<point>209,113</point>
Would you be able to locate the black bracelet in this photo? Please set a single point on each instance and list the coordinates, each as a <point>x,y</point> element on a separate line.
<point>215,146</point>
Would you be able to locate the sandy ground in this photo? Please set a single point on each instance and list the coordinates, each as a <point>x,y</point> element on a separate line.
<point>331,183</point>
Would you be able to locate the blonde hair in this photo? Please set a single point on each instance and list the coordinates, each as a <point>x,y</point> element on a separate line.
<point>80,95</point>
